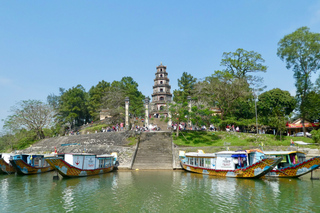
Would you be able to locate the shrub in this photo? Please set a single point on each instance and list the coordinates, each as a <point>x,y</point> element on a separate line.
<point>315,135</point>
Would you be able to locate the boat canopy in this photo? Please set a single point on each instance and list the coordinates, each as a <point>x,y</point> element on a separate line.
<point>104,156</point>
<point>203,155</point>
<point>282,152</point>
<point>238,156</point>
<point>231,153</point>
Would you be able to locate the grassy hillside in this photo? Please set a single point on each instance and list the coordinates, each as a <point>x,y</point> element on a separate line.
<point>235,139</point>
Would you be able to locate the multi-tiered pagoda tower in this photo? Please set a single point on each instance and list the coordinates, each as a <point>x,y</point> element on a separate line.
<point>161,92</point>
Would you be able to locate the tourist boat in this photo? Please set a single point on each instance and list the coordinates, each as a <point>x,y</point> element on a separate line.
<point>6,167</point>
<point>83,164</point>
<point>293,164</point>
<point>236,164</point>
<point>28,164</point>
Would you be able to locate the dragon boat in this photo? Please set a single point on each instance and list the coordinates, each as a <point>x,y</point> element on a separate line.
<point>5,165</point>
<point>28,164</point>
<point>83,164</point>
<point>236,164</point>
<point>293,164</point>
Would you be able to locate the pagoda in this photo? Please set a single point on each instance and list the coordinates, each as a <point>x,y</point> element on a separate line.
<point>161,95</point>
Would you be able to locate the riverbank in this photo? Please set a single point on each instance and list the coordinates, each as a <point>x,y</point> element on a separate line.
<point>127,144</point>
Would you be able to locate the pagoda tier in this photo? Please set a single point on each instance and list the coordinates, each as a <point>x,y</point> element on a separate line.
<point>161,89</point>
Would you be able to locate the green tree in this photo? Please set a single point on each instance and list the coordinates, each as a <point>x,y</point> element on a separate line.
<point>242,63</point>
<point>96,94</point>
<point>72,106</point>
<point>31,115</point>
<point>315,135</point>
<point>201,115</point>
<point>273,107</point>
<point>114,99</point>
<point>179,112</point>
<point>301,52</point>
<point>222,90</point>
<point>186,86</point>
<point>312,106</point>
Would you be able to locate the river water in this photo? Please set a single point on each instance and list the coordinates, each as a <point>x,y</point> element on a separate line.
<point>157,191</point>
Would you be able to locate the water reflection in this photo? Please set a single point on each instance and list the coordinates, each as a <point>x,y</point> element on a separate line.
<point>157,191</point>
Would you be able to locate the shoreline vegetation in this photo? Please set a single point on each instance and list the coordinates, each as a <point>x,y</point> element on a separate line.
<point>236,140</point>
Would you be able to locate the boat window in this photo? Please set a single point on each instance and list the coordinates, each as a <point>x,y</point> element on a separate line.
<point>301,157</point>
<point>207,163</point>
<point>37,162</point>
<point>201,162</point>
<point>101,163</point>
<point>107,162</point>
<point>191,161</point>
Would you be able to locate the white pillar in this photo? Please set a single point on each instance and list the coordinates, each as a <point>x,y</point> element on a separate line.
<point>189,105</point>
<point>169,115</point>
<point>126,100</point>
<point>146,120</point>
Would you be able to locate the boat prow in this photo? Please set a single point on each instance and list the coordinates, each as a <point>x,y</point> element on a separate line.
<point>30,164</point>
<point>5,166</point>
<point>296,170</point>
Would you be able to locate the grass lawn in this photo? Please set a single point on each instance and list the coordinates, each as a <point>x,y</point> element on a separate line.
<point>234,139</point>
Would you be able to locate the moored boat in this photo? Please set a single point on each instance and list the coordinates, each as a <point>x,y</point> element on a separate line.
<point>293,164</point>
<point>83,164</point>
<point>6,167</point>
<point>236,164</point>
<point>28,164</point>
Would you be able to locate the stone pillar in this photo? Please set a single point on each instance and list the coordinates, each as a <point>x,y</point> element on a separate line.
<point>146,120</point>
<point>126,100</point>
<point>169,114</point>
<point>189,106</point>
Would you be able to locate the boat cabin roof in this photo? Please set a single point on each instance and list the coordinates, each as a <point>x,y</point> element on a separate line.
<point>281,152</point>
<point>231,152</point>
<point>203,155</point>
<point>86,154</point>
<point>104,156</point>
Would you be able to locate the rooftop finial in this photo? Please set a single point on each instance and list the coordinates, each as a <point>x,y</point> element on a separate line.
<point>161,63</point>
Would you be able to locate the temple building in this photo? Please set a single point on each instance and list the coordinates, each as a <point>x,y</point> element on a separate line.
<point>161,95</point>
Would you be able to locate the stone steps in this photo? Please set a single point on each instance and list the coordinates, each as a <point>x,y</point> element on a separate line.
<point>154,151</point>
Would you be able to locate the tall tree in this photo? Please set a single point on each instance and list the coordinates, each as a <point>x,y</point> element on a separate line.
<point>242,63</point>
<point>273,107</point>
<point>179,113</point>
<point>223,90</point>
<point>96,94</point>
<point>301,52</point>
<point>31,115</point>
<point>72,106</point>
<point>114,99</point>
<point>186,85</point>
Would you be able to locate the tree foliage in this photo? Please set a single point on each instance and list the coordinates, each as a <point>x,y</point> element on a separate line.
<point>96,95</point>
<point>242,63</point>
<point>113,100</point>
<point>72,106</point>
<point>223,90</point>
<point>186,87</point>
<point>301,52</point>
<point>31,115</point>
<point>179,112</point>
<point>273,107</point>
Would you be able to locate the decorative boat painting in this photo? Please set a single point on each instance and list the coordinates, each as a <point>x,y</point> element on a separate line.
<point>83,164</point>
<point>293,164</point>
<point>6,167</point>
<point>236,164</point>
<point>28,164</point>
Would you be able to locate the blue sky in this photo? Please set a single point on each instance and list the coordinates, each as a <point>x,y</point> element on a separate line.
<point>45,45</point>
